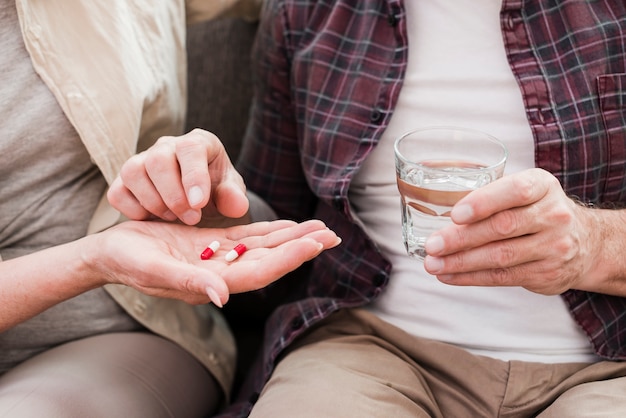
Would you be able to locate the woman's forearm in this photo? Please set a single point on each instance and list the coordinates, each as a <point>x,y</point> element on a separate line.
<point>35,282</point>
<point>158,259</point>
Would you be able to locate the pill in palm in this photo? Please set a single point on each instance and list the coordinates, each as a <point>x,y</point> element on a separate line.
<point>210,250</point>
<point>235,252</point>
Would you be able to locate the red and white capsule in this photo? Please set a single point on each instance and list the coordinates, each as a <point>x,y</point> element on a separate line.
<point>235,252</point>
<point>210,250</point>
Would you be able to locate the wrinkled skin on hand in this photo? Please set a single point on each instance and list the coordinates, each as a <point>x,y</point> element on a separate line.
<point>522,230</point>
<point>163,259</point>
<point>181,178</point>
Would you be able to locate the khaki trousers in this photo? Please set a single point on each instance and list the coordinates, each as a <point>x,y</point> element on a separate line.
<point>355,365</point>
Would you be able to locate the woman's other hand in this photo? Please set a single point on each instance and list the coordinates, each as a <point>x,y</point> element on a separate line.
<point>186,178</point>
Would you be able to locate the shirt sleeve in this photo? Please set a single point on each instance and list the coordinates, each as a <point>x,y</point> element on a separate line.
<point>270,160</point>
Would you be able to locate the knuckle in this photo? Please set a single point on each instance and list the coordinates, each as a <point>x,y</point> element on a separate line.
<point>202,133</point>
<point>524,187</point>
<point>500,276</point>
<point>565,248</point>
<point>114,194</point>
<point>197,138</point>
<point>187,145</point>
<point>458,235</point>
<point>561,215</point>
<point>156,160</point>
<point>504,224</point>
<point>503,255</point>
<point>175,200</point>
<point>151,205</point>
<point>132,167</point>
<point>158,154</point>
<point>552,180</point>
<point>456,263</point>
<point>167,139</point>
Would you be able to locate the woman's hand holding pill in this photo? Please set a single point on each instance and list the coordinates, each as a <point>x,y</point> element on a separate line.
<point>172,261</point>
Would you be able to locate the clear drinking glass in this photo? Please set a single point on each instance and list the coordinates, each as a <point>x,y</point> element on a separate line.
<point>436,167</point>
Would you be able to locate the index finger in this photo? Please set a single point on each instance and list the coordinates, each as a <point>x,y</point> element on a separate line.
<point>205,169</point>
<point>512,191</point>
<point>273,233</point>
<point>194,152</point>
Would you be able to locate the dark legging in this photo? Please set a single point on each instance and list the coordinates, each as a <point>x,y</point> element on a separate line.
<point>112,375</point>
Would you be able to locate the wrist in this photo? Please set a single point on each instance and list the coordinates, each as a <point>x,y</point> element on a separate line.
<point>91,260</point>
<point>605,270</point>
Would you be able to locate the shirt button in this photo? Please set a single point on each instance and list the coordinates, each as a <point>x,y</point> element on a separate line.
<point>338,203</point>
<point>392,19</point>
<point>376,116</point>
<point>379,279</point>
<point>512,20</point>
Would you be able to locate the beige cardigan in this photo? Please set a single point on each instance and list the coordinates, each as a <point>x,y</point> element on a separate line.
<point>118,70</point>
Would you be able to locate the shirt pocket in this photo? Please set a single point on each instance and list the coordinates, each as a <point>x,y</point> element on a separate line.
<point>612,96</point>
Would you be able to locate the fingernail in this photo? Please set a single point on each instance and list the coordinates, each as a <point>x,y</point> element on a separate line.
<point>195,196</point>
<point>433,264</point>
<point>215,298</point>
<point>434,244</point>
<point>462,213</point>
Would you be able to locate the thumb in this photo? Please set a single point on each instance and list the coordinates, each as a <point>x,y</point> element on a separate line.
<point>230,198</point>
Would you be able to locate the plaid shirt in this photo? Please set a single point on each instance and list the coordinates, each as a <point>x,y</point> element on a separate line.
<point>328,77</point>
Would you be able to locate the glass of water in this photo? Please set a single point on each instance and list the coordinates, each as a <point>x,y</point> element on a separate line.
<point>436,167</point>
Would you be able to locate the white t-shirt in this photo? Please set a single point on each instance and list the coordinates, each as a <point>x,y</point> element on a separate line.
<point>458,75</point>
